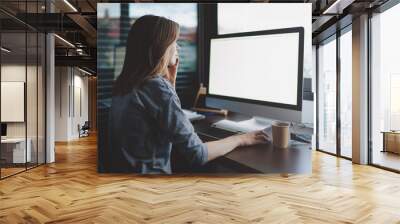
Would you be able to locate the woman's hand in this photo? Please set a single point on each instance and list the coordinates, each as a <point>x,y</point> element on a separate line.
<point>253,138</point>
<point>172,71</point>
<point>223,146</point>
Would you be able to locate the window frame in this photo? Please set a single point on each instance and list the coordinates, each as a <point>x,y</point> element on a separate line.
<point>332,37</point>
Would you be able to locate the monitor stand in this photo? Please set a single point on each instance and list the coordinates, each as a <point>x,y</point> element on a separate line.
<point>253,124</point>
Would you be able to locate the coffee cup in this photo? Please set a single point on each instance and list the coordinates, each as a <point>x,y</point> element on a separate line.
<point>280,134</point>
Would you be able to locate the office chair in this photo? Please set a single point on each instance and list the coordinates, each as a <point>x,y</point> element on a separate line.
<point>84,130</point>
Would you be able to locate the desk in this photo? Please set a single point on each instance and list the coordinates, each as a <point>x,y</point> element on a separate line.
<point>391,141</point>
<point>13,150</point>
<point>263,158</point>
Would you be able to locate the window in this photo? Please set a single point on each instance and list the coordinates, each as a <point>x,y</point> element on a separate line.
<point>346,93</point>
<point>385,85</point>
<point>394,102</point>
<point>327,96</point>
<point>335,95</point>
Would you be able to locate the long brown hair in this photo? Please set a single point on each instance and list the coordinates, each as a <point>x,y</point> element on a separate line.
<point>146,51</point>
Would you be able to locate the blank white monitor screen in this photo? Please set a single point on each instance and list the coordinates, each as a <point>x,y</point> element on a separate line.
<point>262,67</point>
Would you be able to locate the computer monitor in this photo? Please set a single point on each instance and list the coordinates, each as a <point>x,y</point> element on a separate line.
<point>3,130</point>
<point>258,73</point>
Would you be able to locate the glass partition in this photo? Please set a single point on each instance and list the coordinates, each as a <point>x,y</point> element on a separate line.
<point>13,109</point>
<point>22,89</point>
<point>41,97</point>
<point>31,97</point>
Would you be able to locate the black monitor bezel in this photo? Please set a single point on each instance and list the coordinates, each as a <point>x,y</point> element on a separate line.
<point>3,129</point>
<point>300,31</point>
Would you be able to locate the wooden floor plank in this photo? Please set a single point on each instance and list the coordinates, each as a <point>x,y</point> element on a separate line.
<point>71,191</point>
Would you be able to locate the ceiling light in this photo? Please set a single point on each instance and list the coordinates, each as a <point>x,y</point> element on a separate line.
<point>84,71</point>
<point>70,5</point>
<point>79,51</point>
<point>338,6</point>
<point>5,50</point>
<point>65,41</point>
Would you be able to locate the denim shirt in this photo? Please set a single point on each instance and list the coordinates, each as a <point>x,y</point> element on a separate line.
<point>147,124</point>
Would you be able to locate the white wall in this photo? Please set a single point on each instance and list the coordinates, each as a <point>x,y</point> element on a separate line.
<point>71,93</point>
<point>33,126</point>
<point>79,117</point>
<point>17,73</point>
<point>12,73</point>
<point>61,103</point>
<point>9,73</point>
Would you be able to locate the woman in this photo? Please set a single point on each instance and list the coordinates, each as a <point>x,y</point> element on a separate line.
<point>146,118</point>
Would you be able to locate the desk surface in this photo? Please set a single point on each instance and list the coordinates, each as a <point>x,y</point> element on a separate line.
<point>391,132</point>
<point>263,158</point>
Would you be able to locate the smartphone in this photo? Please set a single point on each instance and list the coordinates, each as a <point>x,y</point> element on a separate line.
<point>172,61</point>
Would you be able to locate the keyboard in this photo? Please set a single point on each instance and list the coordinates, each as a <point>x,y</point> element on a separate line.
<point>307,138</point>
<point>212,133</point>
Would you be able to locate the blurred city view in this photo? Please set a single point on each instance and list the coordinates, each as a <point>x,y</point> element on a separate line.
<point>114,21</point>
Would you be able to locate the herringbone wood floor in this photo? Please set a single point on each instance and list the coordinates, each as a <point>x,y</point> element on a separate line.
<point>71,191</point>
